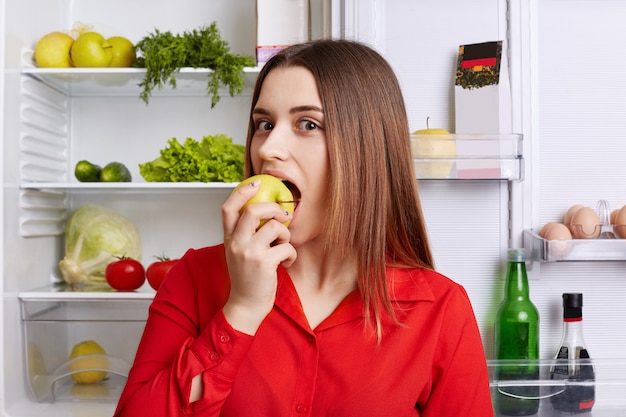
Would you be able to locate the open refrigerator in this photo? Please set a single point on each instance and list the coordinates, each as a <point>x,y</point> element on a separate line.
<point>50,119</point>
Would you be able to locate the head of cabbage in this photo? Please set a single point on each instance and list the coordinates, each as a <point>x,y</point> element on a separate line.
<point>94,237</point>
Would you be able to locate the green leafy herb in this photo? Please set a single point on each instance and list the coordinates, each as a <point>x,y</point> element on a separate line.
<point>163,54</point>
<point>214,159</point>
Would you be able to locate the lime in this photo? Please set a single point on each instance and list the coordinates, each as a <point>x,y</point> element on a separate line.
<point>85,171</point>
<point>115,172</point>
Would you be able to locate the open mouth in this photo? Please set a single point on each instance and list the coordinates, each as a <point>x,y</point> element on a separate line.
<point>294,191</point>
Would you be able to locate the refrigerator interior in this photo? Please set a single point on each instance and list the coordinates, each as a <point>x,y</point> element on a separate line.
<point>51,130</point>
<point>569,156</point>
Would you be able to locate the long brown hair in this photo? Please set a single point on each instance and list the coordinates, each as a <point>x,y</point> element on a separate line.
<point>375,211</point>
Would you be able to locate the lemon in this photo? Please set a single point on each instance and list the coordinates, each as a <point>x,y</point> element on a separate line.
<point>86,355</point>
<point>53,50</point>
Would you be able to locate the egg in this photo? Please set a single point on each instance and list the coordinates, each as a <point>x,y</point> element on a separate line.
<point>555,231</point>
<point>570,213</point>
<point>614,214</point>
<point>619,224</point>
<point>558,236</point>
<point>585,223</point>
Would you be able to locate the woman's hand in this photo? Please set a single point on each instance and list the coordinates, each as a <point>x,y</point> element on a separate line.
<point>253,255</point>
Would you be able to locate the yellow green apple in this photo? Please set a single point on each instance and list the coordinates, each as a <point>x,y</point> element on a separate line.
<point>91,50</point>
<point>53,50</point>
<point>433,143</point>
<point>123,52</point>
<point>271,190</point>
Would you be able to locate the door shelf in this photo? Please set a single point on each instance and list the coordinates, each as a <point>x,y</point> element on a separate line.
<point>540,249</point>
<point>608,384</point>
<point>468,157</point>
<point>121,82</point>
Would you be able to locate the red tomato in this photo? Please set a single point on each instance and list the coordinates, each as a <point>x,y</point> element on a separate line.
<point>156,271</point>
<point>125,275</point>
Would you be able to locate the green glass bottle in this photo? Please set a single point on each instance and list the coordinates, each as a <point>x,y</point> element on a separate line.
<point>516,336</point>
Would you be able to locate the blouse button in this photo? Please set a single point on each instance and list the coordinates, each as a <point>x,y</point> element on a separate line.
<point>224,338</point>
<point>301,408</point>
<point>214,356</point>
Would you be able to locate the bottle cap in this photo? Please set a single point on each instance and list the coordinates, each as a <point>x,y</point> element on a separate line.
<point>516,255</point>
<point>572,305</point>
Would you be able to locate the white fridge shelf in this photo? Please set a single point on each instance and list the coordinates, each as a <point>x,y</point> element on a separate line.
<point>109,82</point>
<point>130,187</point>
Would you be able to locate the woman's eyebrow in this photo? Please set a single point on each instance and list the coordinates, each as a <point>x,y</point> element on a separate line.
<point>260,110</point>
<point>298,109</point>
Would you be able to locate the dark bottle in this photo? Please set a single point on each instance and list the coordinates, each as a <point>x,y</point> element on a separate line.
<point>516,336</point>
<point>573,362</point>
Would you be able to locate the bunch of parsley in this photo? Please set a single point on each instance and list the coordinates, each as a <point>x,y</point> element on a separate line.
<point>213,159</point>
<point>163,54</point>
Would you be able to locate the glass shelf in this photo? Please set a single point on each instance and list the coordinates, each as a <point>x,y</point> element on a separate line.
<point>540,249</point>
<point>468,157</point>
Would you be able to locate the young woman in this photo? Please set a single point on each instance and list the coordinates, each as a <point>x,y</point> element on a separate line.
<point>341,312</point>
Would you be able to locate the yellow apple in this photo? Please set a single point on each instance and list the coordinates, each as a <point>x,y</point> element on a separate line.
<point>88,355</point>
<point>271,190</point>
<point>53,50</point>
<point>433,143</point>
<point>91,50</point>
<point>123,52</point>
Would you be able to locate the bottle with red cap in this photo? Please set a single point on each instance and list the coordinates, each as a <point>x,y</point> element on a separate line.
<point>573,363</point>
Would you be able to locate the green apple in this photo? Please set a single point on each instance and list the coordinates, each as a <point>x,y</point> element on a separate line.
<point>271,190</point>
<point>53,50</point>
<point>433,143</point>
<point>91,50</point>
<point>123,52</point>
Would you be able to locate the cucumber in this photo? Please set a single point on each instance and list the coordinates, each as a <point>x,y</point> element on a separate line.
<point>85,171</point>
<point>115,172</point>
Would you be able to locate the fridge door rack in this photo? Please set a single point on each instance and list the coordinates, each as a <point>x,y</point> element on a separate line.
<point>540,249</point>
<point>468,156</point>
<point>609,383</point>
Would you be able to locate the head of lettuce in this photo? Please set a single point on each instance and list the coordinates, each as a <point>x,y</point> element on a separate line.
<point>94,237</point>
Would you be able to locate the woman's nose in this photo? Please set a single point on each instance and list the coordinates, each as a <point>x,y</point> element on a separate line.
<point>275,145</point>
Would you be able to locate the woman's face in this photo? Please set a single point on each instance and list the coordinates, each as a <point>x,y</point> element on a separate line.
<point>289,142</point>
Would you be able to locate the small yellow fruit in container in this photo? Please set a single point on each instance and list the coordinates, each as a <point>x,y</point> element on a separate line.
<point>89,356</point>
<point>433,143</point>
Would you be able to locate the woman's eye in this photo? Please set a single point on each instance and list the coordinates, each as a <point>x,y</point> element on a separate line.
<point>264,125</point>
<point>308,125</point>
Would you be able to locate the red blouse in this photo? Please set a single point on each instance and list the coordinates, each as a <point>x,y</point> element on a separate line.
<point>432,366</point>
